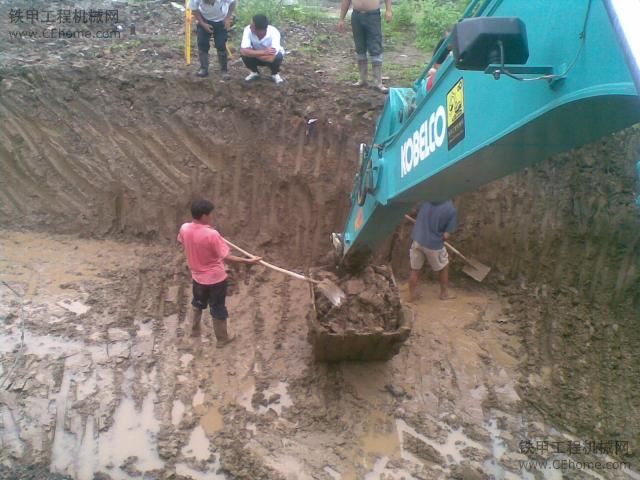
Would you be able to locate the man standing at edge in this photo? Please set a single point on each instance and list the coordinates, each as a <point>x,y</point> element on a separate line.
<point>434,224</point>
<point>261,47</point>
<point>206,253</point>
<point>214,17</point>
<point>367,36</point>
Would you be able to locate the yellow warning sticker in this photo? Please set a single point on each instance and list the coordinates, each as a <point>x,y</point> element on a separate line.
<point>455,103</point>
<point>455,114</point>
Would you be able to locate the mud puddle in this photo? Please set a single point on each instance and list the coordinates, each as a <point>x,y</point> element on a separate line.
<point>120,389</point>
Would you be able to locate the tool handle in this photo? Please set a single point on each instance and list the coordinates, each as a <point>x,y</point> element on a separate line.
<point>447,244</point>
<point>271,266</point>
<point>450,247</point>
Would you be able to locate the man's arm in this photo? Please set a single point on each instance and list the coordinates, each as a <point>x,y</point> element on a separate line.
<point>247,51</point>
<point>233,258</point>
<point>250,52</point>
<point>275,40</point>
<point>387,10</point>
<point>200,19</point>
<point>228,20</point>
<point>452,224</point>
<point>344,8</point>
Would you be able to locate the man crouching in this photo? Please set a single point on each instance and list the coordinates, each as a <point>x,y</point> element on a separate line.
<point>261,47</point>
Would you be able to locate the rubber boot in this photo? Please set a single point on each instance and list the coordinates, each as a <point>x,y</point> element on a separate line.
<point>220,330</point>
<point>222,60</point>
<point>377,78</point>
<point>197,317</point>
<point>204,64</point>
<point>364,73</point>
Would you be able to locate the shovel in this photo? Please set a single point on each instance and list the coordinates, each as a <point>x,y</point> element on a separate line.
<point>475,269</point>
<point>329,289</point>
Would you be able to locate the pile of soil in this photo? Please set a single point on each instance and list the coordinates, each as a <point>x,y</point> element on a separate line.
<point>372,302</point>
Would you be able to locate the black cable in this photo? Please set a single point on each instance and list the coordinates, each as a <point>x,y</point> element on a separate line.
<point>582,36</point>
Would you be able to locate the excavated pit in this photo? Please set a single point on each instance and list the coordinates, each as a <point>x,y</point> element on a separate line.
<point>97,155</point>
<point>100,156</point>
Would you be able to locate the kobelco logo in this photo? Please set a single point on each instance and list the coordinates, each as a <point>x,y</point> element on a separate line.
<point>424,141</point>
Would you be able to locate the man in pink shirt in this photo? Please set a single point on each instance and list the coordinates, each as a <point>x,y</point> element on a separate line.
<point>206,253</point>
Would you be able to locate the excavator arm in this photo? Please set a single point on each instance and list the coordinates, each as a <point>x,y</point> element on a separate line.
<point>572,82</point>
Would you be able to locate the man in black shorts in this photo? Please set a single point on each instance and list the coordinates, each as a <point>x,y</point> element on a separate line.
<point>206,253</point>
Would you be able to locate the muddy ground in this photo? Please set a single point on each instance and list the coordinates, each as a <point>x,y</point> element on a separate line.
<point>102,147</point>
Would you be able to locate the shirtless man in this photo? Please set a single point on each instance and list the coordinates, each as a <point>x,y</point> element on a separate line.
<point>367,36</point>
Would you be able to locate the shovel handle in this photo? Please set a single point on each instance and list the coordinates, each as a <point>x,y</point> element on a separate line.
<point>447,244</point>
<point>450,247</point>
<point>271,266</point>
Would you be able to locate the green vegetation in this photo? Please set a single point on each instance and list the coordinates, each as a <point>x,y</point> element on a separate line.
<point>424,20</point>
<point>318,43</point>
<point>402,75</point>
<point>276,11</point>
<point>126,45</point>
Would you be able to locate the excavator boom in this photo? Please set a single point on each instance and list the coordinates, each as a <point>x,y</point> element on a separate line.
<point>473,127</point>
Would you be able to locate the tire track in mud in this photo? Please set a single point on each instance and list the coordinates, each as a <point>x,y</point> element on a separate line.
<point>191,142</point>
<point>24,176</point>
<point>28,129</point>
<point>21,189</point>
<point>110,169</point>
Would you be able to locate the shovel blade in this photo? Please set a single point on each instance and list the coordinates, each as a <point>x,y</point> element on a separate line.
<point>476,270</point>
<point>332,291</point>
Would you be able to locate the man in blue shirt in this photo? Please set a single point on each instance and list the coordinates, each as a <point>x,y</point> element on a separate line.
<point>434,225</point>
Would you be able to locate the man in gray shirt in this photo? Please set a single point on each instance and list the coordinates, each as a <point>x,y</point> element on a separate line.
<point>214,19</point>
<point>434,224</point>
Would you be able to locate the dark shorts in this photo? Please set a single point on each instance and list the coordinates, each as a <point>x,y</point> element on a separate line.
<point>367,33</point>
<point>220,36</point>
<point>212,295</point>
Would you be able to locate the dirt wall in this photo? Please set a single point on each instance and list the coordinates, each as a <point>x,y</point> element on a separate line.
<point>566,235</point>
<point>569,221</point>
<point>117,154</point>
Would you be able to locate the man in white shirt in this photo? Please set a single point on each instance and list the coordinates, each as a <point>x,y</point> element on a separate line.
<point>214,17</point>
<point>261,47</point>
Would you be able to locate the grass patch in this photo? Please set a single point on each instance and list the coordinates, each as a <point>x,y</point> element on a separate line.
<point>402,75</point>
<point>349,75</point>
<point>277,12</point>
<point>424,21</point>
<point>318,44</point>
<point>126,45</point>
